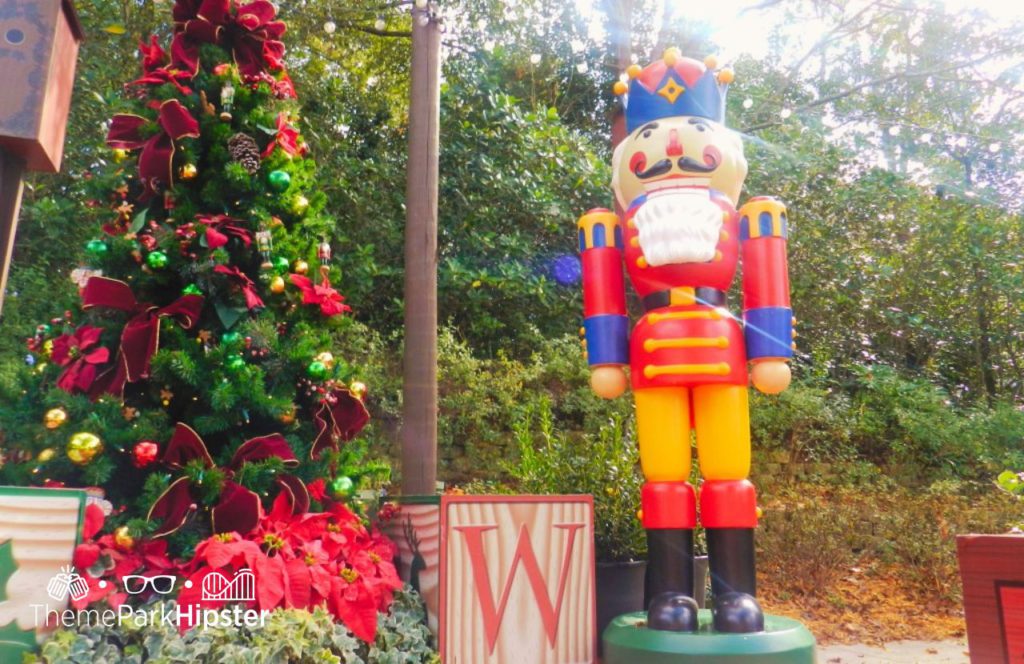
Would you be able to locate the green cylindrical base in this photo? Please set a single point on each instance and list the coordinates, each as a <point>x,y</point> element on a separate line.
<point>783,641</point>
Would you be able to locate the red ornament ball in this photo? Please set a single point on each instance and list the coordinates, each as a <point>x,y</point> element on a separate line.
<point>144,453</point>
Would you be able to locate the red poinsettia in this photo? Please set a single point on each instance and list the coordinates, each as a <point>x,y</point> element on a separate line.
<point>104,563</point>
<point>80,354</point>
<point>155,69</point>
<point>249,31</point>
<point>220,226</point>
<point>242,280</point>
<point>330,301</point>
<point>287,138</point>
<point>155,161</point>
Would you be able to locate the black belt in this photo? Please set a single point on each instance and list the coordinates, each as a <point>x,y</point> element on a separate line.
<point>711,297</point>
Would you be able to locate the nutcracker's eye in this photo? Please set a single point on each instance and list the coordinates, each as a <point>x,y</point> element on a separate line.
<point>14,36</point>
<point>638,162</point>
<point>645,131</point>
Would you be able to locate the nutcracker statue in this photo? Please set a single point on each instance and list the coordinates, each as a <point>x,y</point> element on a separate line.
<point>677,177</point>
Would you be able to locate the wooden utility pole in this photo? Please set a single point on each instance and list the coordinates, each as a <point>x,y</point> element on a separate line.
<point>12,170</point>
<point>419,390</point>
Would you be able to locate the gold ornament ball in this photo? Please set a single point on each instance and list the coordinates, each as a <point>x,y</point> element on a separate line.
<point>188,172</point>
<point>726,76</point>
<point>123,538</point>
<point>83,447</point>
<point>120,155</point>
<point>301,267</point>
<point>55,417</point>
<point>277,285</point>
<point>327,358</point>
<point>633,71</point>
<point>47,455</point>
<point>711,62</point>
<point>48,348</point>
<point>288,417</point>
<point>358,389</point>
<point>620,88</point>
<point>300,204</point>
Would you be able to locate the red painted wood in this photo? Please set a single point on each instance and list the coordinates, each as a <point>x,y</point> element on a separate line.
<point>989,564</point>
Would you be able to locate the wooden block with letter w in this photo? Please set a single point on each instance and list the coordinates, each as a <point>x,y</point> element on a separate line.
<point>517,580</point>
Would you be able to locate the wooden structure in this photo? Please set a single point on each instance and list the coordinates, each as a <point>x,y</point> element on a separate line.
<point>992,569</point>
<point>419,392</point>
<point>38,53</point>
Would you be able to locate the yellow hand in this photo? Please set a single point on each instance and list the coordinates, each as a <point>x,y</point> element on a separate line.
<point>608,381</point>
<point>771,376</point>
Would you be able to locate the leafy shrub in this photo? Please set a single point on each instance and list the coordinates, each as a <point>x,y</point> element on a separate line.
<point>289,635</point>
<point>605,465</point>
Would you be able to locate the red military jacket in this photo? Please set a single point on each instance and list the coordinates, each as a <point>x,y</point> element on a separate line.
<point>687,336</point>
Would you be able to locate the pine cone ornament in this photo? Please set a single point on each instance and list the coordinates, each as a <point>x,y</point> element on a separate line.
<point>244,150</point>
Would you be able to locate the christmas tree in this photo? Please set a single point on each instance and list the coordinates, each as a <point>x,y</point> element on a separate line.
<point>196,386</point>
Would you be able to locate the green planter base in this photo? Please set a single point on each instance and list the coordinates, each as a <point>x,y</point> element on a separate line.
<point>784,641</point>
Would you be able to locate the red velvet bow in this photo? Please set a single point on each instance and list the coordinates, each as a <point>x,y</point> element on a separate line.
<point>251,33</point>
<point>287,139</point>
<point>141,336</point>
<point>239,509</point>
<point>341,416</point>
<point>156,160</point>
<point>330,301</point>
<point>219,227</point>
<point>252,298</point>
<point>76,352</point>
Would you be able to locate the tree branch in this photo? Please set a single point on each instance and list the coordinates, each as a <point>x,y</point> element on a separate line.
<point>877,81</point>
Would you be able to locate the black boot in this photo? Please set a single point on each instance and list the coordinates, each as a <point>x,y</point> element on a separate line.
<point>731,561</point>
<point>668,587</point>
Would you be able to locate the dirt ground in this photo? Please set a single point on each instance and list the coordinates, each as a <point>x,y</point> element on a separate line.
<point>868,606</point>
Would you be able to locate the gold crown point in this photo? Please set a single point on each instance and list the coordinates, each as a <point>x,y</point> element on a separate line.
<point>620,88</point>
<point>726,76</point>
<point>633,71</point>
<point>711,62</point>
<point>671,55</point>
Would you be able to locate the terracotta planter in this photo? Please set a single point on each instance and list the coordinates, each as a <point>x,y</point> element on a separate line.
<point>992,570</point>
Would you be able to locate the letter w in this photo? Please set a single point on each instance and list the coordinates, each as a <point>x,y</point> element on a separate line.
<point>524,553</point>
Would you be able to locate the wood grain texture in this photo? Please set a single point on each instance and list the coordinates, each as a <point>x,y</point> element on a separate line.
<point>530,629</point>
<point>43,530</point>
<point>987,563</point>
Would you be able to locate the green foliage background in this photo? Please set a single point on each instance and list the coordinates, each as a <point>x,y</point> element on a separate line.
<point>899,161</point>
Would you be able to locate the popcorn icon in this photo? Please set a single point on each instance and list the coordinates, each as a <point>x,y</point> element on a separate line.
<point>67,583</point>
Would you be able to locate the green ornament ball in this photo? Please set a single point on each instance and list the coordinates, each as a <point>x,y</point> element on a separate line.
<point>230,338</point>
<point>343,486</point>
<point>191,289</point>
<point>96,247</point>
<point>157,260</point>
<point>281,264</point>
<point>317,370</point>
<point>236,363</point>
<point>279,180</point>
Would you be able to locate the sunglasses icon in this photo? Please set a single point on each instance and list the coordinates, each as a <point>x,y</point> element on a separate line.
<point>136,583</point>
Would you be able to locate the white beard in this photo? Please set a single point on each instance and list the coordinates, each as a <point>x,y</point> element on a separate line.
<point>678,226</point>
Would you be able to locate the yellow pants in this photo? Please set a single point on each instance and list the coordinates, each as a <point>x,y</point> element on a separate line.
<point>720,414</point>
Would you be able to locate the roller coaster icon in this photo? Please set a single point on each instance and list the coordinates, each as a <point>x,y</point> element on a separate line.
<point>218,588</point>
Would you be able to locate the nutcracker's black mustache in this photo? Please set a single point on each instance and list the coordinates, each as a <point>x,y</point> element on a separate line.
<point>688,164</point>
<point>692,165</point>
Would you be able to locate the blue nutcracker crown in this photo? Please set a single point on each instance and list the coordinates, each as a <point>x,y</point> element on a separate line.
<point>674,86</point>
